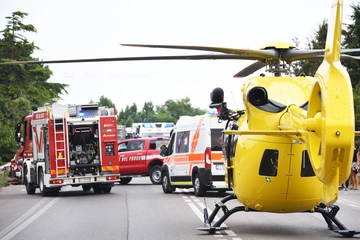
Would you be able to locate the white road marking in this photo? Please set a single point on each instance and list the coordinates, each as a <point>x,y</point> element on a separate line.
<point>30,220</point>
<point>192,201</point>
<point>31,210</point>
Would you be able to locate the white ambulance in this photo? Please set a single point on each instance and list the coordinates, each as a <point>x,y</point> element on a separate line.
<point>194,155</point>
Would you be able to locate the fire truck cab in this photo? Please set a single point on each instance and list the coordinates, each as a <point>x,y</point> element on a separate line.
<point>69,145</point>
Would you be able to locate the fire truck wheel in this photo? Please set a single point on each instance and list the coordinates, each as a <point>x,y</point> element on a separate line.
<point>155,174</point>
<point>97,189</point>
<point>106,189</point>
<point>166,185</point>
<point>86,187</point>
<point>43,189</point>
<point>54,192</point>
<point>125,180</point>
<point>199,190</point>
<point>30,189</point>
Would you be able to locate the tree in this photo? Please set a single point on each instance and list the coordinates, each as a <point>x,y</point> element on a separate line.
<point>104,101</point>
<point>168,112</point>
<point>351,40</point>
<point>309,67</point>
<point>22,87</point>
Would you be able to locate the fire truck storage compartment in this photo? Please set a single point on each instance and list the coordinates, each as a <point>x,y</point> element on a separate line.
<point>84,148</point>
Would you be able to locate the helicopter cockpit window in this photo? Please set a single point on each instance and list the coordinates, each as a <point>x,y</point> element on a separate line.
<point>306,168</point>
<point>182,142</point>
<point>269,163</point>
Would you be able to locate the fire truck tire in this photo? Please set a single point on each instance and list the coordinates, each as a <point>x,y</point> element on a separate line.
<point>125,180</point>
<point>166,185</point>
<point>155,174</point>
<point>30,189</point>
<point>97,189</point>
<point>55,192</point>
<point>199,190</point>
<point>106,189</point>
<point>43,190</point>
<point>86,187</point>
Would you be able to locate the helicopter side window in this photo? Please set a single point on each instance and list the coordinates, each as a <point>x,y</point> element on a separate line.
<point>269,163</point>
<point>306,168</point>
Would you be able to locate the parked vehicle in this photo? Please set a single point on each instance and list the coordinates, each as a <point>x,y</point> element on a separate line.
<point>194,156</point>
<point>69,145</point>
<point>141,157</point>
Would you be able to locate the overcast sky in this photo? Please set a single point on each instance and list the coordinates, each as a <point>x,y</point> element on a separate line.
<point>70,29</point>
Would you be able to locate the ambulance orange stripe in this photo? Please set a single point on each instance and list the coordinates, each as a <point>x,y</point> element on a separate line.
<point>196,136</point>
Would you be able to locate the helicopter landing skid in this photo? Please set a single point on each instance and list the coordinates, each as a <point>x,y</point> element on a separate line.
<point>328,212</point>
<point>217,225</point>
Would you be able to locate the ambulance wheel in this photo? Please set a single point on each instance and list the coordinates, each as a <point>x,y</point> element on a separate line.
<point>199,190</point>
<point>43,190</point>
<point>125,180</point>
<point>155,174</point>
<point>86,187</point>
<point>166,185</point>
<point>30,189</point>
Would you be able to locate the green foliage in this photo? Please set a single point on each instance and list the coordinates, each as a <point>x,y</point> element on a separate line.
<point>104,101</point>
<point>352,40</point>
<point>22,87</point>
<point>309,67</point>
<point>169,112</point>
<point>4,178</point>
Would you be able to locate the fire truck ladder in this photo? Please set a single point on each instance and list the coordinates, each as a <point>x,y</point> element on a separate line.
<point>60,151</point>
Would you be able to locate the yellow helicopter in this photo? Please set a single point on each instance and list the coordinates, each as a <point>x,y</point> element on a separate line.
<point>292,145</point>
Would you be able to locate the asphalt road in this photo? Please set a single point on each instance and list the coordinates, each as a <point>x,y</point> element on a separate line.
<point>141,210</point>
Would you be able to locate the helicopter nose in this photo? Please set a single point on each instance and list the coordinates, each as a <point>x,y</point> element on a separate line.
<point>258,96</point>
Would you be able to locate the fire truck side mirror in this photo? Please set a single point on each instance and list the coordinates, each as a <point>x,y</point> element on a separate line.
<point>17,137</point>
<point>17,132</point>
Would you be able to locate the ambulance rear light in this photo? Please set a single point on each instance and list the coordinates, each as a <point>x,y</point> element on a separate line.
<point>110,178</point>
<point>208,157</point>
<point>57,181</point>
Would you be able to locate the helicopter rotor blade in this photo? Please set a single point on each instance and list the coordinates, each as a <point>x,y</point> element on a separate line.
<point>179,57</point>
<point>256,54</point>
<point>249,69</point>
<point>295,54</point>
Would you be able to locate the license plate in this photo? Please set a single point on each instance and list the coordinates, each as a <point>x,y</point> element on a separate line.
<point>219,167</point>
<point>84,180</point>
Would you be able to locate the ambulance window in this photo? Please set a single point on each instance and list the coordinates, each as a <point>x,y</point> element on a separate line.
<point>182,142</point>
<point>269,163</point>
<point>216,139</point>
<point>171,145</point>
<point>306,168</point>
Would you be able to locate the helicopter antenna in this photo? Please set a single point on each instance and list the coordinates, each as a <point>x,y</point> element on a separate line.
<point>234,100</point>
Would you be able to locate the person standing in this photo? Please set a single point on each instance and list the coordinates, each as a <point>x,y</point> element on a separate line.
<point>354,169</point>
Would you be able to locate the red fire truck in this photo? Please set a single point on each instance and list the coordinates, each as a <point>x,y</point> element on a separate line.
<point>69,145</point>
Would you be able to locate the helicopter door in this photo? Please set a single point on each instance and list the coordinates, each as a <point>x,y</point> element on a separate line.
<point>302,177</point>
